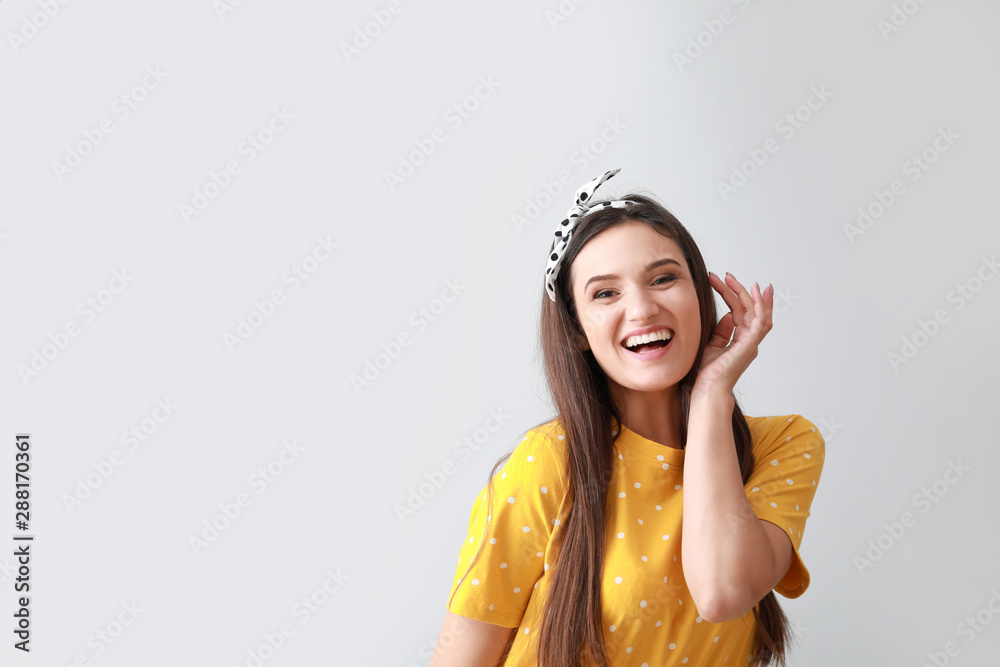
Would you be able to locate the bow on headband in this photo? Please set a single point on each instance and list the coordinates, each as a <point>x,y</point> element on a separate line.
<point>565,229</point>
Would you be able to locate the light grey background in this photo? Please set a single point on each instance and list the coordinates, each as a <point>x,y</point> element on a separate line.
<point>843,306</point>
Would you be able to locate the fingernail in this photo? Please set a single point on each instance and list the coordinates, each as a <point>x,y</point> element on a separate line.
<point>771,287</point>
<point>713,275</point>
<point>757,286</point>
<point>731,275</point>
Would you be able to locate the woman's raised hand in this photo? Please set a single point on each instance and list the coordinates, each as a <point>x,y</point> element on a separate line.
<point>722,362</point>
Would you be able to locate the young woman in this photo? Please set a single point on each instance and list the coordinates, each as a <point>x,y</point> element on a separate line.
<point>648,523</point>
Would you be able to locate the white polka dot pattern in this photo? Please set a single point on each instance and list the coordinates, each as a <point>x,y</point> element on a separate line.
<point>646,607</point>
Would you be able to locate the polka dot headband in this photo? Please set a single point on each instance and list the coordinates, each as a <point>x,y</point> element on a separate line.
<point>565,229</point>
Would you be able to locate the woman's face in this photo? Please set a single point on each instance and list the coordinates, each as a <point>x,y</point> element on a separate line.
<point>642,285</point>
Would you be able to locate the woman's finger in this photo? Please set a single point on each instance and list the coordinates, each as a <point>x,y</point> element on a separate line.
<point>746,299</point>
<point>723,331</point>
<point>763,306</point>
<point>768,295</point>
<point>730,297</point>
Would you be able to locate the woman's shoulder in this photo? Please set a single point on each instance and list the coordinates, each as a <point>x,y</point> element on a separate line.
<point>539,456</point>
<point>547,430</point>
<point>543,441</point>
<point>768,432</point>
<point>536,466</point>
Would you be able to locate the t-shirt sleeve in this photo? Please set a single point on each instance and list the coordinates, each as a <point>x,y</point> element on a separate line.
<point>789,454</point>
<point>514,532</point>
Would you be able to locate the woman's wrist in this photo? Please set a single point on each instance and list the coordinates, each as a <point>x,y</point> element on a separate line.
<point>714,394</point>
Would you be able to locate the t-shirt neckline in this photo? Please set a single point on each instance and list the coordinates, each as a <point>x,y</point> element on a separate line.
<point>647,448</point>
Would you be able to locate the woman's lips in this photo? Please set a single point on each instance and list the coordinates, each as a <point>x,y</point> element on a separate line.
<point>652,355</point>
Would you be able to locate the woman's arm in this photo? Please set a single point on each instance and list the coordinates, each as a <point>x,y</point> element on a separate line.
<point>465,642</point>
<point>730,558</point>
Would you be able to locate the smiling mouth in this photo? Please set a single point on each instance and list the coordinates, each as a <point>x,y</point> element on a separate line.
<point>643,348</point>
<point>648,343</point>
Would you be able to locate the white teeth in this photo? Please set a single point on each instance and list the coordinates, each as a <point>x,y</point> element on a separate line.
<point>632,341</point>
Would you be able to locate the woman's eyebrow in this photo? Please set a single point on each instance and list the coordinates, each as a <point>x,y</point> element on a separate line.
<point>649,267</point>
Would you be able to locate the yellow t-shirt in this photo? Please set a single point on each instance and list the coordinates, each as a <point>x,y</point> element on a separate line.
<point>649,616</point>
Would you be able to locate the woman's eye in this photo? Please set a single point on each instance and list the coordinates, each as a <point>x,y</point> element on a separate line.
<point>669,277</point>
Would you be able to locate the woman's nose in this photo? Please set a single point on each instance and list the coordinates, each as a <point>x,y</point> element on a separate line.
<point>640,304</point>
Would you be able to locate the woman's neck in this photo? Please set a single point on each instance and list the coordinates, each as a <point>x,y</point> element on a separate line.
<point>655,416</point>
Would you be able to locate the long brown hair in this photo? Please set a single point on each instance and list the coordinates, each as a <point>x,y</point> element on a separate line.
<point>571,626</point>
